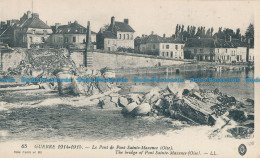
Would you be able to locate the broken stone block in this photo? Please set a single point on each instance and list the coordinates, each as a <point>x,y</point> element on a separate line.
<point>135,98</point>
<point>142,109</point>
<point>106,103</point>
<point>241,132</point>
<point>237,115</point>
<point>114,97</point>
<point>122,101</point>
<point>129,108</point>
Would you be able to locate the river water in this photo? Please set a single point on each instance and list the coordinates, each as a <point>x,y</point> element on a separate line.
<point>18,121</point>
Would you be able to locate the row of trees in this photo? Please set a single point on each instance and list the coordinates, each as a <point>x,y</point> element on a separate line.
<point>193,31</point>
<point>202,32</point>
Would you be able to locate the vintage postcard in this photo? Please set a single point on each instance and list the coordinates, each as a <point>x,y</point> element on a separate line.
<point>129,78</point>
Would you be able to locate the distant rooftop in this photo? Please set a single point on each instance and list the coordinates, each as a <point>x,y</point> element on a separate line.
<point>72,28</point>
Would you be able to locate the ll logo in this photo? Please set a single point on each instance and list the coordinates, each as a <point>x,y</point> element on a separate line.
<point>242,149</point>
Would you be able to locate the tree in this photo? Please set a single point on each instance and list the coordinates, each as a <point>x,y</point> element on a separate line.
<point>238,35</point>
<point>250,31</point>
<point>250,34</point>
<point>105,27</point>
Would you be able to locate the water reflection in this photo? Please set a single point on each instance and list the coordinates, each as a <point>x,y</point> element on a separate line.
<point>240,89</point>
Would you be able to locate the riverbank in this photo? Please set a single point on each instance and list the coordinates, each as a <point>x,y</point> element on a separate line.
<point>46,112</point>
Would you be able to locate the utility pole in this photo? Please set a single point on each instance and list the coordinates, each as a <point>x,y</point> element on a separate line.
<point>88,54</point>
<point>32,6</point>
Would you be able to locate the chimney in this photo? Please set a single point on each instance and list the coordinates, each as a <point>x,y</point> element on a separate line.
<point>35,15</point>
<point>164,35</point>
<point>113,21</point>
<point>2,24</point>
<point>126,21</point>
<point>57,25</point>
<point>152,33</point>
<point>8,22</point>
<point>29,14</point>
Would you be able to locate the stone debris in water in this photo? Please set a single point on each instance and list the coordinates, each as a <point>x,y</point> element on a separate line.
<point>191,104</point>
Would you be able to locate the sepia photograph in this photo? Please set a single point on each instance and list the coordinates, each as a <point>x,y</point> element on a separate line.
<point>121,78</point>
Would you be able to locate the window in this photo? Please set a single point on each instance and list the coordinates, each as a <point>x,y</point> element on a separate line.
<point>162,53</point>
<point>171,54</point>
<point>167,54</point>
<point>67,40</point>
<point>226,50</point>
<point>74,39</point>
<point>195,51</point>
<point>162,46</point>
<point>176,54</point>
<point>108,41</point>
<point>120,36</point>
<point>167,46</point>
<point>176,47</point>
<point>218,50</point>
<point>132,37</point>
<point>127,36</point>
<point>33,31</point>
<point>43,39</point>
<point>124,36</point>
<point>31,39</point>
<point>181,46</point>
<point>153,46</point>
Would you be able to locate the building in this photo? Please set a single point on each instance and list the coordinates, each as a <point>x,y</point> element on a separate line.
<point>71,35</point>
<point>200,49</point>
<point>251,56</point>
<point>150,44</point>
<point>117,35</point>
<point>161,46</point>
<point>7,32</point>
<point>30,31</point>
<point>171,48</point>
<point>230,51</point>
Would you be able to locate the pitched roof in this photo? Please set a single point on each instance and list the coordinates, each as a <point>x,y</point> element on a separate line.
<point>108,34</point>
<point>211,43</point>
<point>153,38</point>
<point>121,26</point>
<point>72,28</point>
<point>203,42</point>
<point>239,43</point>
<point>34,22</point>
<point>220,43</point>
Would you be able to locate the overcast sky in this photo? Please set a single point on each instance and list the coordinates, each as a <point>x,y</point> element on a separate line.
<point>160,16</point>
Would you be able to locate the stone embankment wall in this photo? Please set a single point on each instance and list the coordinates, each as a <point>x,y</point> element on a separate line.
<point>12,58</point>
<point>123,60</point>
